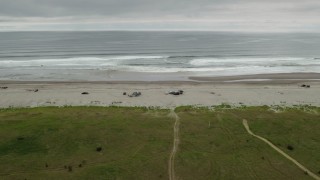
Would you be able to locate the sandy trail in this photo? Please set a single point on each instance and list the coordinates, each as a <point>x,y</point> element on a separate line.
<point>175,145</point>
<point>246,125</point>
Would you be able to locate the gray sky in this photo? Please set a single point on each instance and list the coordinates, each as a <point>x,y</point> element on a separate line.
<point>212,15</point>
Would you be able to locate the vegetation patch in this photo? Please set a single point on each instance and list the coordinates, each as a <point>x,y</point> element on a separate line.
<point>135,143</point>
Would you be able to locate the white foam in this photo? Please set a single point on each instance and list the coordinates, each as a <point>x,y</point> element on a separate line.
<point>137,57</point>
<point>76,61</point>
<point>162,64</point>
<point>168,69</point>
<point>279,61</point>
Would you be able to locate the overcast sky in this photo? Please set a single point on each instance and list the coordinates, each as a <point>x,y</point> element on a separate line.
<point>208,15</point>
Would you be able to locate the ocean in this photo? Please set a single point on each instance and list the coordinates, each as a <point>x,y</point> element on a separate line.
<point>99,56</point>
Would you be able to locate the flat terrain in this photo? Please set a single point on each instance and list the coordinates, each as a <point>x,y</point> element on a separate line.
<point>256,93</point>
<point>137,143</point>
<point>215,145</point>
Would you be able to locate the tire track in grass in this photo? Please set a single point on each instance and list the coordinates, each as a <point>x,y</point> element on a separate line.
<point>311,174</point>
<point>176,141</point>
<point>232,137</point>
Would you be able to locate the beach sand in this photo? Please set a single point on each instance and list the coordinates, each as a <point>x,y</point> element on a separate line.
<point>257,90</point>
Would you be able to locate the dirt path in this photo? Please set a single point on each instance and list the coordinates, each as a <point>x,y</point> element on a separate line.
<point>245,124</point>
<point>175,144</point>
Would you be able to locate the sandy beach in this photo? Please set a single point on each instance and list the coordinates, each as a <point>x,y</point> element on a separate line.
<point>284,90</point>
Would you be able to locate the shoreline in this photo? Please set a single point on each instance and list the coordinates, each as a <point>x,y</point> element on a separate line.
<point>154,94</point>
<point>264,78</point>
<point>285,78</point>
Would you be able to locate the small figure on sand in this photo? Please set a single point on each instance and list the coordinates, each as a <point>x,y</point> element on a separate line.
<point>135,94</point>
<point>176,93</point>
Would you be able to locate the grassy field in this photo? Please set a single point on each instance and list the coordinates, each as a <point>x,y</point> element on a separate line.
<point>292,128</point>
<point>135,143</point>
<point>214,144</point>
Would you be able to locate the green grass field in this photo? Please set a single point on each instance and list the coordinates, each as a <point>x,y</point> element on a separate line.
<point>216,146</point>
<point>135,143</point>
<point>61,143</point>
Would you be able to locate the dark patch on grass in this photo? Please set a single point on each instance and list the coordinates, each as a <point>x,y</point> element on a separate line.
<point>289,147</point>
<point>99,149</point>
<point>70,168</point>
<point>22,147</point>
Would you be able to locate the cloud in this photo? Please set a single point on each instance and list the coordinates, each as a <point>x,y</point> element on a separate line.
<point>229,15</point>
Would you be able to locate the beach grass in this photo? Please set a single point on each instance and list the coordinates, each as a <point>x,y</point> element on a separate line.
<point>215,145</point>
<point>61,143</point>
<point>135,143</point>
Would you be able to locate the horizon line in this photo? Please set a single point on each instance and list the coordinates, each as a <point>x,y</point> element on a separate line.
<point>163,30</point>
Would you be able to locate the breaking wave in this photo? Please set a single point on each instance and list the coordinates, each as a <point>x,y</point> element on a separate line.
<point>172,64</point>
